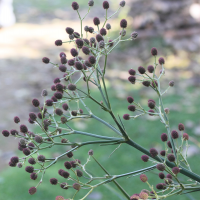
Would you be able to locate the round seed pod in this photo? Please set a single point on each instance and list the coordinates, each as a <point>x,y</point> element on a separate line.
<point>159,186</point>
<point>78,65</point>
<point>175,170</point>
<point>181,127</point>
<point>76,186</point>
<point>110,43</point>
<point>169,144</point>
<point>71,37</point>
<point>26,151</point>
<point>63,60</point>
<point>171,83</point>
<point>134,197</point>
<point>71,62</point>
<point>143,195</point>
<point>103,31</point>
<point>132,79</point>
<point>58,42</point>
<point>169,176</point>
<point>145,158</point>
<point>14,159</point>
<point>101,44</point>
<point>86,50</point>
<point>146,83</point>
<point>12,164</point>
<point>38,139</point>
<point>63,120</point>
<point>185,136</point>
<point>99,38</point>
<point>74,52</point>
<point>96,21</point>
<point>59,87</point>
<point>74,113</point>
<point>132,72</point>
<point>134,35</point>
<point>65,174</point>
<point>73,163</point>
<point>105,5</point>
<point>91,3</point>
<point>79,43</point>
<point>33,176</point>
<point>150,69</point>
<point>161,61</point>
<point>62,68</point>
<point>154,51</point>
<point>123,23</point>
<point>92,60</point>
<point>130,99</point>
<point>122,33</point>
<point>32,190</point>
<point>160,167</point>
<point>58,111</point>
<point>90,152</point>
<point>168,181</point>
<point>164,137</point>
<point>70,154</point>
<point>151,111</point>
<point>49,102</point>
<point>131,108</point>
<point>126,116</point>
<point>63,186</point>
<point>92,40</point>
<point>67,165</point>
<point>60,172</point>
<point>79,173</point>
<point>75,5</point>
<point>143,178</point>
<point>161,175</point>
<point>86,28</point>
<point>5,133</point>
<point>151,104</point>
<point>69,30</point>
<point>16,119</point>
<point>91,29</point>
<point>35,102</point>
<point>141,69</point>
<point>53,98</point>
<point>174,134</point>
<point>64,140</point>
<point>162,153</point>
<point>58,95</point>
<point>65,106</point>
<point>41,158</point>
<point>71,87</point>
<point>29,169</point>
<point>45,60</point>
<point>53,181</point>
<point>13,132</point>
<point>23,128</point>
<point>30,121</point>
<point>122,3</point>
<point>32,116</point>
<point>85,40</point>
<point>32,161</point>
<point>171,157</point>
<point>108,26</point>
<point>153,152</point>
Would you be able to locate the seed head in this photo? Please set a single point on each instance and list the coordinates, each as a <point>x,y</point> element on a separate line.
<point>58,95</point>
<point>63,120</point>
<point>99,37</point>
<point>32,161</point>
<point>26,151</point>
<point>45,60</point>
<point>92,40</point>
<point>53,181</point>
<point>79,173</point>
<point>143,178</point>
<point>132,79</point>
<point>62,68</point>
<point>5,133</point>
<point>130,99</point>
<point>160,167</point>
<point>76,186</point>
<point>181,127</point>
<point>75,5</point>
<point>38,139</point>
<point>86,50</point>
<point>154,51</point>
<point>132,72</point>
<point>150,69</point>
<point>164,137</point>
<point>122,3</point>
<point>63,60</point>
<point>169,144</point>
<point>32,190</point>
<point>41,158</point>
<point>122,33</point>
<point>151,111</point>
<point>169,176</point>
<point>35,102</point>
<point>161,175</point>
<point>159,186</point>
<point>70,154</point>
<point>105,5</point>
<point>65,174</point>
<point>91,29</point>
<point>76,35</point>
<point>126,116</point>
<point>12,164</point>
<point>58,42</point>
<point>19,165</point>
<point>103,31</point>
<point>23,128</point>
<point>131,108</point>
<point>58,111</point>
<point>185,136</point>
<point>108,26</point>
<point>71,37</point>
<point>71,87</point>
<point>90,152</point>
<point>141,69</point>
<point>67,164</point>
<point>69,30</point>
<point>92,60</point>
<point>13,132</point>
<point>71,62</point>
<point>134,197</point>
<point>65,106</point>
<point>96,21</point>
<point>91,3</point>
<point>79,43</point>
<point>143,195</point>
<point>174,134</point>
<point>16,119</point>
<point>33,176</point>
<point>146,83</point>
<point>14,159</point>
<point>123,23</point>
<point>171,157</point>
<point>145,158</point>
<point>134,35</point>
<point>74,113</point>
<point>49,102</point>
<point>29,169</point>
<point>32,116</point>
<point>78,65</point>
<point>101,44</point>
<point>175,170</point>
<point>110,43</point>
<point>168,181</point>
<point>161,61</point>
<point>153,152</point>
<point>162,153</point>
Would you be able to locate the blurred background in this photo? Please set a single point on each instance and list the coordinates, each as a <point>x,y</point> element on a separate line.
<point>28,30</point>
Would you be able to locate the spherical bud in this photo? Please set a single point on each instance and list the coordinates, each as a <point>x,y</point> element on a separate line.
<point>32,161</point>
<point>63,120</point>
<point>90,152</point>
<point>65,174</point>
<point>86,28</point>
<point>171,157</point>
<point>153,152</point>
<point>146,83</point>
<point>122,3</point>
<point>86,50</point>
<point>76,186</point>
<point>161,175</point>
<point>181,127</point>
<point>185,136</point>
<point>92,60</point>
<point>169,176</point>
<point>80,111</point>
<point>122,33</point>
<point>26,151</point>
<point>60,172</point>
<point>174,134</point>
<point>126,116</point>
<point>12,164</point>
<point>171,83</point>
<point>63,186</point>
<point>32,116</point>
<point>99,38</point>
<point>164,137</point>
<point>175,170</point>
<point>69,30</point>
<point>141,69</point>
<point>70,154</point>
<point>64,140</point>
<point>132,79</point>
<point>32,190</point>
<point>143,178</point>
<point>154,51</point>
<point>132,72</point>
<point>154,84</point>
<point>71,87</point>
<point>134,35</point>
<point>58,42</point>
<point>74,113</point>
<point>123,23</point>
<point>49,102</point>
<point>108,26</point>
<point>56,80</point>
<point>58,111</point>
<point>79,43</point>
<point>62,54</point>
<point>73,52</point>
<point>71,37</point>
<point>38,139</point>
<point>110,43</point>
<point>105,5</point>
<point>162,153</point>
<point>91,29</point>
<point>92,40</point>
<point>71,62</point>
<point>91,3</point>
<point>41,158</point>
<point>22,142</point>
<point>65,106</point>
<point>13,132</point>
<point>168,181</point>
<point>75,5</point>
<point>78,65</point>
<point>5,133</point>
<point>35,102</point>
<point>45,60</point>
<point>63,60</point>
<point>151,111</point>
<point>33,176</point>
<point>159,186</point>
<point>145,158</point>
<point>23,128</point>
<point>29,169</point>
<point>58,95</point>
<point>131,108</point>
<point>79,173</point>
<point>160,167</point>
<point>19,165</point>
<point>161,61</point>
<point>14,159</point>
<point>76,35</point>
<point>53,181</point>
<point>62,68</point>
<point>96,21</point>
<point>169,144</point>
<point>31,121</point>
<point>16,119</point>
<point>167,110</point>
<point>130,99</point>
<point>143,195</point>
<point>101,44</point>
<point>67,165</point>
<point>150,69</point>
<point>103,31</point>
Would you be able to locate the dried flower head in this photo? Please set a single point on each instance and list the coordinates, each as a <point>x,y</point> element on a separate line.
<point>45,60</point>
<point>185,136</point>
<point>123,23</point>
<point>175,170</point>
<point>161,175</point>
<point>161,61</point>
<point>16,119</point>
<point>154,51</point>
<point>5,133</point>
<point>145,158</point>
<point>76,186</point>
<point>96,21</point>
<point>91,3</point>
<point>105,5</point>
<point>71,87</point>
<point>132,79</point>
<point>164,137</point>
<point>141,69</point>
<point>90,152</point>
<point>150,69</point>
<point>58,42</point>
<point>174,134</point>
<point>160,167</point>
<point>122,3</point>
<point>126,116</point>
<point>171,157</point>
<point>153,152</point>
<point>108,26</point>
<point>181,127</point>
<point>75,5</point>
<point>143,178</point>
<point>130,99</point>
<point>32,190</point>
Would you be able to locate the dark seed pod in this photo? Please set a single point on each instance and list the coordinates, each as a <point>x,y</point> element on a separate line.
<point>32,190</point>
<point>75,5</point>
<point>63,120</point>
<point>154,51</point>
<point>70,154</point>
<point>64,140</point>
<point>159,186</point>
<point>13,132</point>
<point>62,54</point>
<point>71,87</point>
<point>132,72</point>
<point>5,133</point>
<point>71,62</point>
<point>69,30</point>
<point>62,68</point>
<point>38,139</point>
<point>64,186</point>
<point>143,178</point>
<point>49,102</point>
<point>134,35</point>
<point>103,31</point>
<point>160,167</point>
<point>146,83</point>
<point>65,106</point>
<point>58,111</point>
<point>168,181</point>
<point>56,80</point>
<point>154,84</point>
<point>32,116</point>
<point>90,152</point>
<point>79,173</point>
<point>171,83</point>
<point>101,44</point>
<point>150,69</point>
<point>58,95</point>
<point>161,175</point>
<point>63,60</point>
<point>105,5</point>
<point>126,116</point>
<point>77,186</point>
<point>161,61</point>
<point>58,42</point>
<point>78,65</point>
<point>122,3</point>
<point>132,79</point>
<point>164,137</point>
<point>122,33</point>
<point>169,176</point>
<point>162,153</point>
<point>99,38</point>
<point>181,127</point>
<point>26,151</point>
<point>174,134</point>
<point>130,99</point>
<point>86,50</point>
<point>185,136</point>
<point>153,152</point>
<point>14,159</point>
<point>53,98</point>
<point>41,158</point>
<point>23,128</point>
<point>141,69</point>
<point>91,29</point>
<point>29,169</point>
<point>45,60</point>
<point>108,26</point>
<point>76,35</point>
<point>71,37</point>
<point>16,119</point>
<point>32,161</point>
<point>67,165</point>
<point>86,28</point>
<point>53,181</point>
<point>131,108</point>
<point>35,102</point>
<point>79,43</point>
<point>145,158</point>
<point>123,23</point>
<point>96,21</point>
<point>33,176</point>
<point>110,43</point>
<point>175,170</point>
<point>74,113</point>
<point>169,144</point>
<point>91,3</point>
<point>92,40</point>
<point>171,157</point>
<point>87,63</point>
<point>92,60</point>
